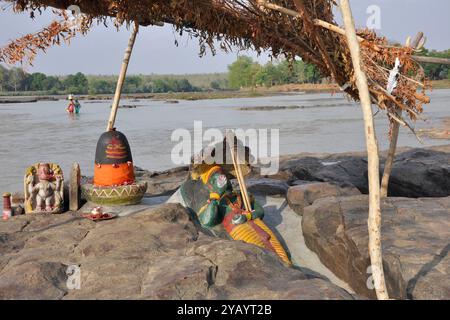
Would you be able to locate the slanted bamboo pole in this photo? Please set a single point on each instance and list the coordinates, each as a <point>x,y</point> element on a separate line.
<point>389,164</point>
<point>374,220</point>
<point>122,74</point>
<point>434,60</point>
<point>238,170</point>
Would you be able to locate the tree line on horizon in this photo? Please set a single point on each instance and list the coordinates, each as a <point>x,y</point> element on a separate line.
<point>243,73</point>
<point>16,80</point>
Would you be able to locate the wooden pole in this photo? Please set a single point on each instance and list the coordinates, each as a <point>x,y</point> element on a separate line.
<point>424,59</point>
<point>74,188</point>
<point>374,220</point>
<point>238,170</point>
<point>122,74</point>
<point>389,164</point>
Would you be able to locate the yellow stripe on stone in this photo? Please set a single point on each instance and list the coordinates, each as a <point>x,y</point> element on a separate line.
<point>274,242</point>
<point>244,232</point>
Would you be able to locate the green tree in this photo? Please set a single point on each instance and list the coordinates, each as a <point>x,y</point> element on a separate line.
<point>3,77</point>
<point>436,71</point>
<point>185,86</point>
<point>100,87</point>
<point>16,78</point>
<point>241,72</point>
<point>36,81</point>
<point>215,85</point>
<point>132,84</point>
<point>312,75</point>
<point>268,75</point>
<point>160,85</point>
<point>77,83</point>
<point>51,83</point>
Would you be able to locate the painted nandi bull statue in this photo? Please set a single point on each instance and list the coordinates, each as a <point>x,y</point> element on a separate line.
<point>217,206</point>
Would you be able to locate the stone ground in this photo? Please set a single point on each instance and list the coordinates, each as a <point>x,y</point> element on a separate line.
<point>153,254</point>
<point>316,205</point>
<point>288,227</point>
<point>415,240</point>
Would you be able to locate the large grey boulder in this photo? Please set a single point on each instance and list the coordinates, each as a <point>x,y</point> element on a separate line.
<point>303,195</point>
<point>154,254</point>
<point>415,240</point>
<point>266,186</point>
<point>421,173</point>
<point>416,173</point>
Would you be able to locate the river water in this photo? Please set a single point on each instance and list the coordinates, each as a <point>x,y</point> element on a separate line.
<point>44,132</point>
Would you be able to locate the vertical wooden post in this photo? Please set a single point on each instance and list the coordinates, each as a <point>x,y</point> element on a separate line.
<point>122,74</point>
<point>74,187</point>
<point>374,220</point>
<point>389,164</point>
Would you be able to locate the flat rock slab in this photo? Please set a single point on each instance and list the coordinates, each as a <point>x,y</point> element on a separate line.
<point>121,211</point>
<point>303,195</point>
<point>154,254</point>
<point>286,225</point>
<point>415,240</point>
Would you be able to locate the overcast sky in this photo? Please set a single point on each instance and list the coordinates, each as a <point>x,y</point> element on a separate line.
<point>101,51</point>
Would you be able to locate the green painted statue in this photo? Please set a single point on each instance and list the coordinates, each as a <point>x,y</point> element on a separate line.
<point>209,194</point>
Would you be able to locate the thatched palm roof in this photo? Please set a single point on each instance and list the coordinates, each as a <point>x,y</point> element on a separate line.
<point>248,24</point>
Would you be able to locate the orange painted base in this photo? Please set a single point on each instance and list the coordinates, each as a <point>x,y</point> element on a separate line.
<point>113,175</point>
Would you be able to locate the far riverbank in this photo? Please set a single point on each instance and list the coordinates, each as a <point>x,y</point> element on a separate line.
<point>308,88</point>
<point>26,97</point>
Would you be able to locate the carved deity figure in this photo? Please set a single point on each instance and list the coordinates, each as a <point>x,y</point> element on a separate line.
<point>209,195</point>
<point>44,188</point>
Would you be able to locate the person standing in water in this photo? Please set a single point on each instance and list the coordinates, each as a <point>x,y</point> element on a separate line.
<point>77,106</point>
<point>71,107</point>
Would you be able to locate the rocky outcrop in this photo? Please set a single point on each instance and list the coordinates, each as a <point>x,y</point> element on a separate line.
<point>303,195</point>
<point>421,173</point>
<point>155,254</point>
<point>416,172</point>
<point>267,186</point>
<point>164,182</point>
<point>159,253</point>
<point>415,240</point>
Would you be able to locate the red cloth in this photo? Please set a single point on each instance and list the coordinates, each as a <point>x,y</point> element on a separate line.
<point>71,108</point>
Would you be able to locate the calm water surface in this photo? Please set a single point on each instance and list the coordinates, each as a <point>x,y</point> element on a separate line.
<point>44,132</point>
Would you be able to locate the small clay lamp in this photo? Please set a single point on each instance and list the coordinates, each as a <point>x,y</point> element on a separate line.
<point>97,212</point>
<point>7,210</point>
